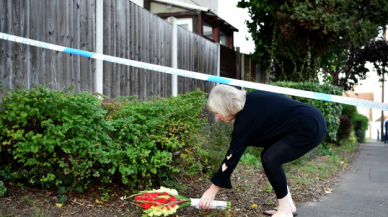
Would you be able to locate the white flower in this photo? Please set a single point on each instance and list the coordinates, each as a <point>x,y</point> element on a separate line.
<point>168,190</point>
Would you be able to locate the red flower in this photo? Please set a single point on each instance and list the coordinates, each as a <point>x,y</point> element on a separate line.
<point>162,200</point>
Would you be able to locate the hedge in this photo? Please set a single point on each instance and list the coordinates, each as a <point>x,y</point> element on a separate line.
<point>58,138</point>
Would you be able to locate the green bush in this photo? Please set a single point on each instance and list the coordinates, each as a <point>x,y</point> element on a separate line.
<point>150,132</point>
<point>331,111</point>
<point>344,128</point>
<point>360,125</point>
<point>349,111</point>
<point>58,138</point>
<point>350,144</point>
<point>359,122</point>
<point>54,136</point>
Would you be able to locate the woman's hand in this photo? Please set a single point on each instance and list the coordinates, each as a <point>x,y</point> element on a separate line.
<point>208,197</point>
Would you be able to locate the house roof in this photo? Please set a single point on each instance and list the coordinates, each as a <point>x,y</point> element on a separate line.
<point>365,96</point>
<point>379,119</point>
<point>214,17</point>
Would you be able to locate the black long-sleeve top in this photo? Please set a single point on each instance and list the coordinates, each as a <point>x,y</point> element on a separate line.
<point>265,119</point>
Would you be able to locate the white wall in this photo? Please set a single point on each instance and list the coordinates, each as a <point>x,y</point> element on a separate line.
<point>161,8</point>
<point>138,2</point>
<point>211,4</point>
<point>373,126</point>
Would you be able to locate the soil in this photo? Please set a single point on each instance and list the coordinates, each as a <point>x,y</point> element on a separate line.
<point>250,187</point>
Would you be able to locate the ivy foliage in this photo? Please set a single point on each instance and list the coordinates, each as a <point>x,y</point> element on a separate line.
<point>58,138</point>
<point>331,111</point>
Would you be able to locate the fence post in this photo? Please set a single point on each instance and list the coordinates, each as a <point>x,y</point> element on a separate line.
<point>218,74</point>
<point>174,55</point>
<point>99,46</point>
<point>238,59</point>
<point>258,73</point>
<point>218,60</point>
<point>242,56</point>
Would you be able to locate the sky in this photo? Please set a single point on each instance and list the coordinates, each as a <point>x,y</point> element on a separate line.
<point>228,11</point>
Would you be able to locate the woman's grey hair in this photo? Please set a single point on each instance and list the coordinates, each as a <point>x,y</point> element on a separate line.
<point>226,100</point>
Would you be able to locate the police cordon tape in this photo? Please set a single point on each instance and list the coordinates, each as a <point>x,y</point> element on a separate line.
<point>200,76</point>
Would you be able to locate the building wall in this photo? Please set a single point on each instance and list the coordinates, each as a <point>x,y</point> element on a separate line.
<point>211,4</point>
<point>157,8</point>
<point>138,2</point>
<point>373,127</point>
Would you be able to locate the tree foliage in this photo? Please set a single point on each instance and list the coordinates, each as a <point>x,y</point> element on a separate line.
<point>310,35</point>
<point>354,68</point>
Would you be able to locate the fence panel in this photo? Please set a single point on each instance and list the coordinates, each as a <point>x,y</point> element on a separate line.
<point>129,32</point>
<point>198,54</point>
<point>70,23</point>
<point>133,32</point>
<point>228,63</point>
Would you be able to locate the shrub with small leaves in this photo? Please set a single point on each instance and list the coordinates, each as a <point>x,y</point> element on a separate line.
<point>70,140</point>
<point>152,133</point>
<point>56,134</point>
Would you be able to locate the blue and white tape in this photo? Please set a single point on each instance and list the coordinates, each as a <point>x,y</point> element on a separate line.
<point>201,76</point>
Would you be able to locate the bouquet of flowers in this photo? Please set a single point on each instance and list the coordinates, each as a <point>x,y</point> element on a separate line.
<point>165,201</point>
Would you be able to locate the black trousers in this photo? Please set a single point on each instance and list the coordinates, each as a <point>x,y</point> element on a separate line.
<point>274,156</point>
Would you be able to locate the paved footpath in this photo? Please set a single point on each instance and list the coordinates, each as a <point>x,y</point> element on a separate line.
<point>363,193</point>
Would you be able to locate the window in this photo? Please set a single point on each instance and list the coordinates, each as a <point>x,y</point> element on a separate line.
<point>223,38</point>
<point>207,30</point>
<point>186,23</point>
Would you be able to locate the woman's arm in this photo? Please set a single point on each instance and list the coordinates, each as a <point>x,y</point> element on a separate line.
<point>209,195</point>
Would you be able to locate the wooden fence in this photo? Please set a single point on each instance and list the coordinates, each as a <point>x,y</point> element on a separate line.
<point>228,62</point>
<point>129,32</point>
<point>248,69</point>
<point>68,23</point>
